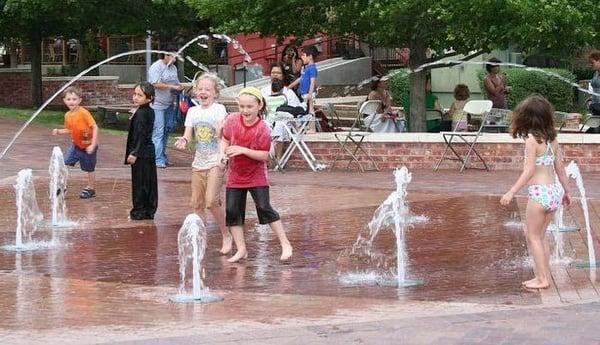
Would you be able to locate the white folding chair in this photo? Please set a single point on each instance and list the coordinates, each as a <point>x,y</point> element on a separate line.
<point>296,129</point>
<point>356,135</point>
<point>478,110</point>
<point>591,122</point>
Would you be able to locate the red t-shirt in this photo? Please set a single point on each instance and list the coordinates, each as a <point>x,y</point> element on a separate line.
<point>245,172</point>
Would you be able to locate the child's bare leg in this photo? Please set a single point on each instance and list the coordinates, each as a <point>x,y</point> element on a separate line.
<point>286,247</point>
<point>91,180</point>
<point>536,218</point>
<point>526,232</point>
<point>549,218</point>
<point>238,237</point>
<point>219,215</point>
<point>279,150</point>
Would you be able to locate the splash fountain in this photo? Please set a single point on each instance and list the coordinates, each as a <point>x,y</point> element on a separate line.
<point>392,213</point>
<point>58,187</point>
<point>192,246</point>
<point>28,212</point>
<point>574,173</point>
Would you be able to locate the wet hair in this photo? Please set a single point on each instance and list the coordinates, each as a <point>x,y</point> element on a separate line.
<point>74,90</point>
<point>461,92</point>
<point>594,55</point>
<point>491,63</point>
<point>209,76</point>
<point>147,89</point>
<point>278,65</point>
<point>276,86</point>
<point>310,50</point>
<point>534,115</point>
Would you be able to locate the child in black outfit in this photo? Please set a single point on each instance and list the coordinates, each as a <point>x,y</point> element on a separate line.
<point>140,155</point>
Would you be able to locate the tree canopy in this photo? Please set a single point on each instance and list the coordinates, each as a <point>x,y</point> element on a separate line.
<point>30,21</point>
<point>458,26</point>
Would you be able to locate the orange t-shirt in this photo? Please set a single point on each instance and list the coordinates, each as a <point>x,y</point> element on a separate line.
<point>80,123</point>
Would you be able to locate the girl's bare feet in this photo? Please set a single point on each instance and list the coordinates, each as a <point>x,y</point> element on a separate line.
<point>530,281</point>
<point>239,255</point>
<point>538,284</point>
<point>286,251</point>
<point>227,244</point>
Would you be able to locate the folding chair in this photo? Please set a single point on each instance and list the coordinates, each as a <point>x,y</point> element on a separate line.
<point>592,122</point>
<point>478,110</point>
<point>276,122</point>
<point>296,129</point>
<point>356,135</point>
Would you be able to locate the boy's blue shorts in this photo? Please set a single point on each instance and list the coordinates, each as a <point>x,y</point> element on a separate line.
<point>87,161</point>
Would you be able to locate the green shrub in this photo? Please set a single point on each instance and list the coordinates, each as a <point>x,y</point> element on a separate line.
<point>527,82</point>
<point>399,85</point>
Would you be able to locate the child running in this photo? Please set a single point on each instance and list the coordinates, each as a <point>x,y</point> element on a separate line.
<point>532,121</point>
<point>139,153</point>
<point>245,144</point>
<point>205,122</point>
<point>82,128</point>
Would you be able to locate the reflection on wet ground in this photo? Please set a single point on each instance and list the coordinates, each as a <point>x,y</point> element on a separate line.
<point>463,253</point>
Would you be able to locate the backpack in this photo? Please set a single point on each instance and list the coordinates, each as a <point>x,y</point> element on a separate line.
<point>324,123</point>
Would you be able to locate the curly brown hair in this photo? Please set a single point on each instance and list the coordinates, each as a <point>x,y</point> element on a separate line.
<point>534,115</point>
<point>461,92</point>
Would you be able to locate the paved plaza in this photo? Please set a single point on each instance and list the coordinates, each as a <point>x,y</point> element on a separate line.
<point>110,279</point>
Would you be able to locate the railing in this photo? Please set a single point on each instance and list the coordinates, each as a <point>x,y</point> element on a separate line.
<point>335,47</point>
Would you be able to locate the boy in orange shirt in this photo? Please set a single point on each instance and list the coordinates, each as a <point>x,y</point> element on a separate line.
<point>80,125</point>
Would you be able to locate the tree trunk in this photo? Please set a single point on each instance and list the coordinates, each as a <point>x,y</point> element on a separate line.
<point>14,56</point>
<point>82,54</point>
<point>36,70</point>
<point>417,101</point>
<point>417,89</point>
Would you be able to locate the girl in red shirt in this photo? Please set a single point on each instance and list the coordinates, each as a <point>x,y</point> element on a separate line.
<point>245,145</point>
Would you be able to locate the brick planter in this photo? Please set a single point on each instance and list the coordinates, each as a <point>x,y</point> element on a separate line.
<point>15,89</point>
<point>423,150</point>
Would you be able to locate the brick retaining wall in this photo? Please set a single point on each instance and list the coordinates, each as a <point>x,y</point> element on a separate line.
<point>15,89</point>
<point>419,155</point>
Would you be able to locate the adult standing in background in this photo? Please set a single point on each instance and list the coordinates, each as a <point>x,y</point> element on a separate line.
<point>594,59</point>
<point>495,84</point>
<point>163,76</point>
<point>292,64</point>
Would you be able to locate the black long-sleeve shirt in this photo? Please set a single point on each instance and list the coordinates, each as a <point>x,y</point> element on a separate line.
<point>139,138</point>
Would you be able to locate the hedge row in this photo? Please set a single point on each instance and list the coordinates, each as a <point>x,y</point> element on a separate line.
<point>522,81</point>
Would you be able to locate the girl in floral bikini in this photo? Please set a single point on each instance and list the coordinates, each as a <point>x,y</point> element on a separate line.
<point>532,121</point>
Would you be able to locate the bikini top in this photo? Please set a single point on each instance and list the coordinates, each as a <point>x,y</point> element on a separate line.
<point>547,158</point>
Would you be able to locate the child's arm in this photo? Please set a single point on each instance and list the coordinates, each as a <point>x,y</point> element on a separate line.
<point>559,167</point>
<point>313,85</point>
<point>258,155</point>
<point>57,131</point>
<point>183,141</point>
<point>223,145</point>
<point>94,143</point>
<point>294,83</point>
<point>452,110</point>
<point>528,171</point>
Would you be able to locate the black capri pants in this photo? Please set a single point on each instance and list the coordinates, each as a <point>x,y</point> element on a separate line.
<point>235,210</point>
